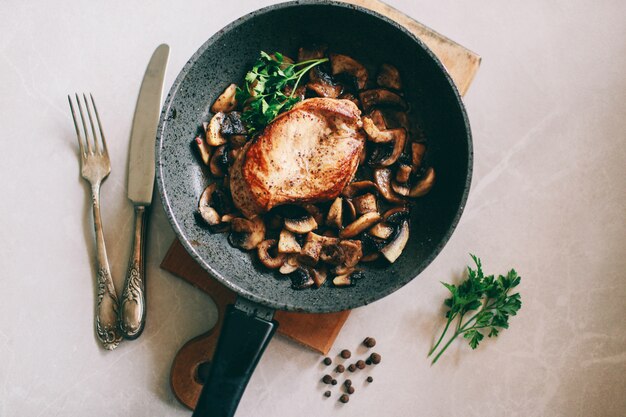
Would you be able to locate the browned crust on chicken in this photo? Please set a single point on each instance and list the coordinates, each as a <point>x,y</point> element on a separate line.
<point>306,155</point>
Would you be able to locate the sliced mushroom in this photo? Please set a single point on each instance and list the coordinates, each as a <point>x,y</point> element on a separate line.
<point>203,149</point>
<point>382,177</point>
<point>287,242</point>
<point>349,211</point>
<point>417,154</point>
<point>376,135</point>
<point>395,119</point>
<point>208,213</point>
<point>359,225</point>
<point>381,231</point>
<point>403,173</point>
<point>314,211</point>
<point>226,101</point>
<point>342,280</point>
<point>377,117</point>
<point>271,262</point>
<point>332,254</point>
<point>396,215</point>
<point>291,264</point>
<point>314,51</point>
<point>301,279</point>
<point>358,187</point>
<point>381,97</point>
<point>221,201</point>
<point>389,76</point>
<point>219,162</point>
<point>301,225</point>
<point>227,218</point>
<point>371,257</point>
<point>247,233</point>
<point>384,159</point>
<point>365,203</point>
<point>352,98</point>
<point>401,189</point>
<point>310,254</point>
<point>322,84</point>
<point>353,252</point>
<point>213,129</point>
<point>424,185</point>
<point>334,217</point>
<point>299,93</point>
<point>233,125</point>
<point>343,64</point>
<point>319,275</point>
<point>394,249</point>
<point>371,244</point>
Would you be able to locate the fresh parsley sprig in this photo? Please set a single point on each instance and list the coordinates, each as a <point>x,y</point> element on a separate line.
<point>263,95</point>
<point>488,297</point>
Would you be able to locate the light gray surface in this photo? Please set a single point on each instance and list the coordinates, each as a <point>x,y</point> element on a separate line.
<point>548,197</point>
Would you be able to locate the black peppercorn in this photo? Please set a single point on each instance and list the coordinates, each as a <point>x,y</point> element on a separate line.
<point>368,361</point>
<point>369,342</point>
<point>327,379</point>
<point>370,379</point>
<point>350,389</point>
<point>360,364</point>
<point>344,398</point>
<point>375,358</point>
<point>352,368</point>
<point>327,394</point>
<point>345,354</point>
<point>340,369</point>
<point>333,382</point>
<point>347,383</point>
<point>328,361</point>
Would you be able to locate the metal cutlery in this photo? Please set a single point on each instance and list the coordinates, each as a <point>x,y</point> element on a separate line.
<point>95,167</point>
<point>141,172</point>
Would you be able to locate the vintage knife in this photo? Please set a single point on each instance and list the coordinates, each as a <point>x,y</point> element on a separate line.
<point>140,186</point>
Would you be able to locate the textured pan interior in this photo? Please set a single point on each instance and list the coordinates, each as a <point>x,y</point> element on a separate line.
<point>367,36</point>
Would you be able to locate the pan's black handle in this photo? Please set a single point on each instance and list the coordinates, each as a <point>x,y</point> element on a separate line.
<point>245,334</point>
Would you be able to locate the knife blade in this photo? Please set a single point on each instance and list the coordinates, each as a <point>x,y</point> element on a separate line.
<point>141,170</point>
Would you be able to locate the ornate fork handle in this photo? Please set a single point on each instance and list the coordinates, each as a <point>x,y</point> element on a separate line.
<point>106,301</point>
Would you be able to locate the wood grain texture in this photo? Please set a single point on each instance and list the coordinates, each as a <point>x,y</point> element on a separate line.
<point>315,331</point>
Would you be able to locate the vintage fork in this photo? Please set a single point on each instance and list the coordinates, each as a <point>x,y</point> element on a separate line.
<point>95,167</point>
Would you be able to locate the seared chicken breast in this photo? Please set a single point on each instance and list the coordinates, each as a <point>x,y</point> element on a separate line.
<point>307,154</point>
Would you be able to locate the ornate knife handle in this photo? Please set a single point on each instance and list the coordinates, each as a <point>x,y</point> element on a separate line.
<point>133,305</point>
<point>106,298</point>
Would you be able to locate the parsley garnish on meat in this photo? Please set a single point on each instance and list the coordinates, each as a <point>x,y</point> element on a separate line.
<point>489,297</point>
<point>263,96</point>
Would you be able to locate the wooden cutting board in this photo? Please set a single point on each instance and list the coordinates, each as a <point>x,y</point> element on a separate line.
<point>315,331</point>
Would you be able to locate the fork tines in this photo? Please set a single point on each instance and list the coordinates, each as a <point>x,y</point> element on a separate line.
<point>94,146</point>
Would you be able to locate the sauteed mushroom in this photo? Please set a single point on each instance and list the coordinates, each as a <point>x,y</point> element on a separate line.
<point>322,84</point>
<point>311,52</point>
<point>403,173</point>
<point>271,262</point>
<point>417,154</point>
<point>301,225</point>
<point>203,149</point>
<point>208,213</point>
<point>358,187</point>
<point>301,279</point>
<point>377,117</point>
<point>247,233</point>
<point>227,101</point>
<point>219,162</point>
<point>384,160</point>
<point>213,129</point>
<point>359,225</point>
<point>381,231</point>
<point>291,264</point>
<point>424,185</point>
<point>382,176</point>
<point>232,125</point>
<point>389,76</point>
<point>377,135</point>
<point>319,275</point>
<point>394,249</point>
<point>287,242</point>
<point>381,97</point>
<point>334,217</point>
<point>341,64</point>
<point>365,203</point>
